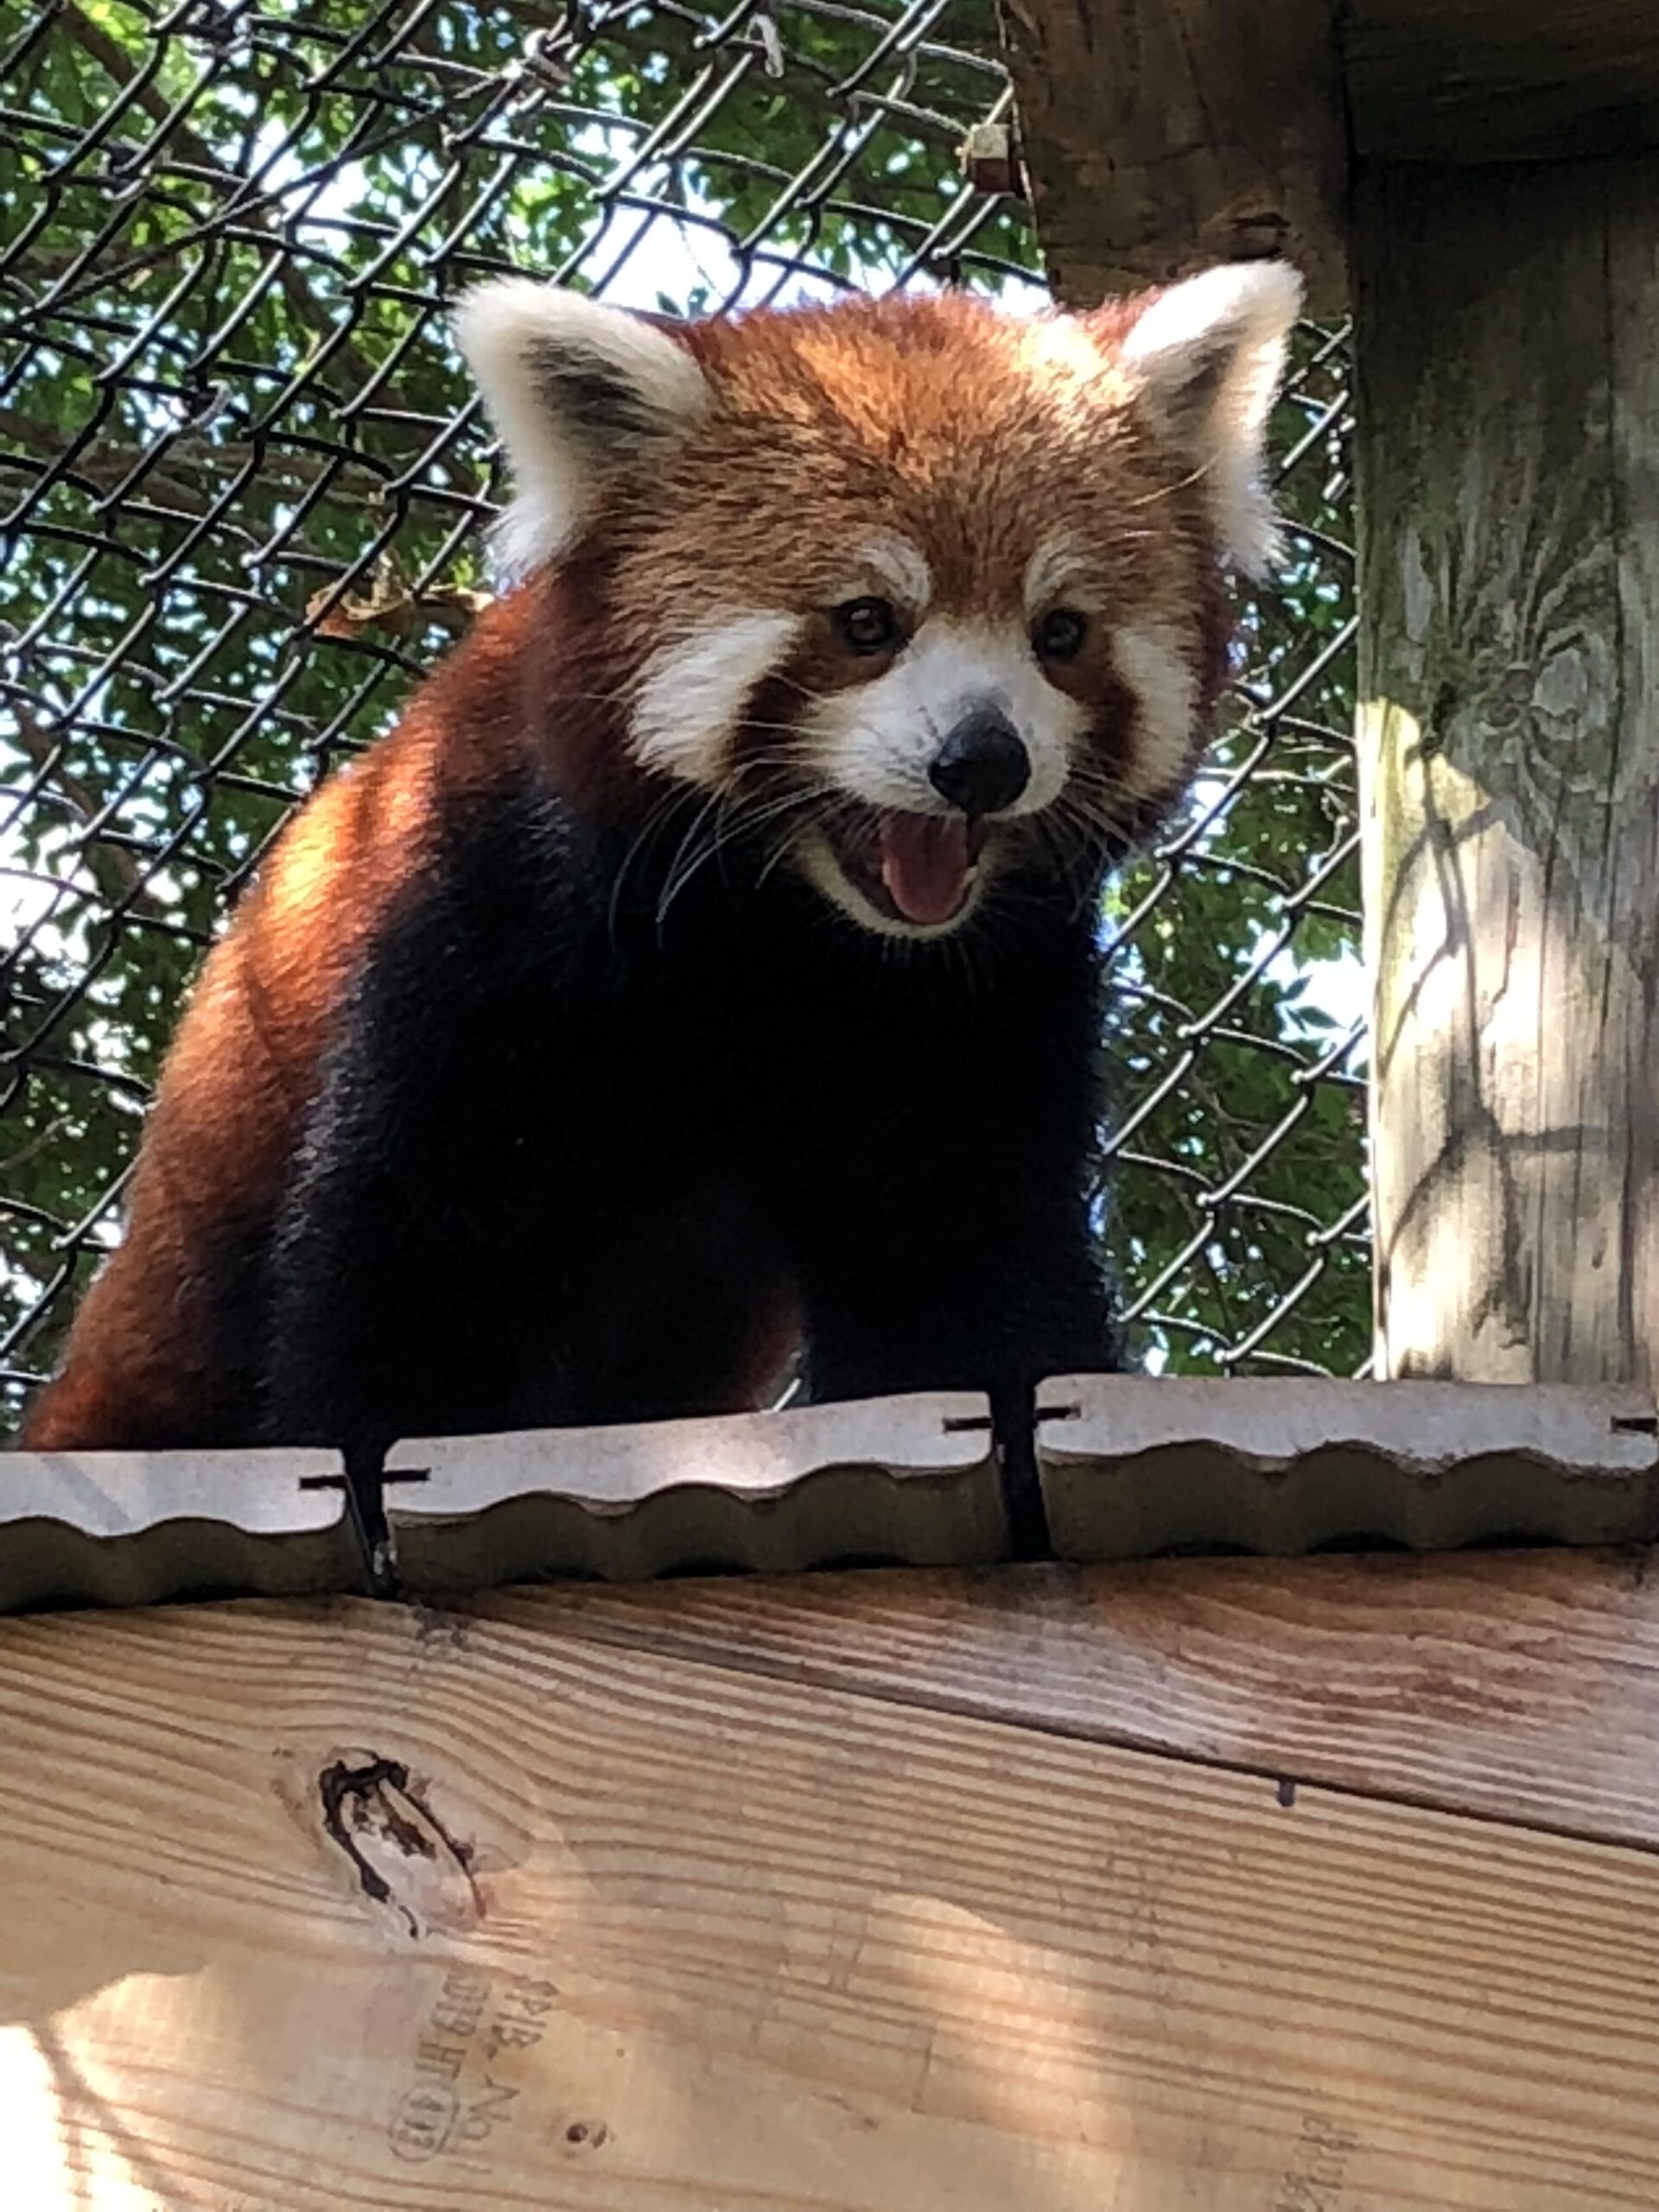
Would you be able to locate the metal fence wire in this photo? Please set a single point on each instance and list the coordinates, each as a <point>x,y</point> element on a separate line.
<point>244,480</point>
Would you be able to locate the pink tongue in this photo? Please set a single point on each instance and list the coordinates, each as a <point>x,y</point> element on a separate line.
<point>924,864</point>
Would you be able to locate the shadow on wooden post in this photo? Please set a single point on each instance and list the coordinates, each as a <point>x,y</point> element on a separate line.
<point>1509,475</point>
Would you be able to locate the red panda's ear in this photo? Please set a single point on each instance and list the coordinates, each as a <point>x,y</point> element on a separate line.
<point>577,390</point>
<point>1207,355</point>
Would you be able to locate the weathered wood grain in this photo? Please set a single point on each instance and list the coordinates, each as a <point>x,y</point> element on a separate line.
<point>1508,454</point>
<point>1520,1687</point>
<point>1160,139</point>
<point>600,1930</point>
<point>1491,81</point>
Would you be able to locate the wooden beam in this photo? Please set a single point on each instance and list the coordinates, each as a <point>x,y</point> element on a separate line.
<point>1159,139</point>
<point>1487,80</point>
<point>1162,135</point>
<point>1521,1686</point>
<point>1509,585</point>
<point>331,1907</point>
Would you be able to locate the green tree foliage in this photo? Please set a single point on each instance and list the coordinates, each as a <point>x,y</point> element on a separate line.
<point>243,481</point>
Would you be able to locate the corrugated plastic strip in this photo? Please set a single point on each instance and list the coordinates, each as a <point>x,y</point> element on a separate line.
<point>138,1528</point>
<point>912,1480</point>
<point>1132,1466</point>
<point>1128,1466</point>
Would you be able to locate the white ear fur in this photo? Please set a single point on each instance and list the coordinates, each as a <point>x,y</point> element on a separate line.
<point>574,388</point>
<point>1208,355</point>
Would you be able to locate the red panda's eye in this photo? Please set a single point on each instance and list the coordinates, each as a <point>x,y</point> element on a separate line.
<point>1059,635</point>
<point>867,626</point>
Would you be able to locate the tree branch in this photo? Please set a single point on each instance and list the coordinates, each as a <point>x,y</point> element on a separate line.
<point>120,879</point>
<point>107,462</point>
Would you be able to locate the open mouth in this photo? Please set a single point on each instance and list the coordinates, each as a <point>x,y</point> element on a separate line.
<point>918,869</point>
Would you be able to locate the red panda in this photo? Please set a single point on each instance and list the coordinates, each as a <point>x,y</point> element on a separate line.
<point>706,965</point>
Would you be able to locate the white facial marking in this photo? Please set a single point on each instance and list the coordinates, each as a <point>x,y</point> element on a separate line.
<point>1158,673</point>
<point>692,694</point>
<point>1058,575</point>
<point>571,385</point>
<point>901,568</point>
<point>1208,355</point>
<point>825,872</point>
<point>877,741</point>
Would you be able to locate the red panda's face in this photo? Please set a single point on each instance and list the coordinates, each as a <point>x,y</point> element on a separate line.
<point>917,589</point>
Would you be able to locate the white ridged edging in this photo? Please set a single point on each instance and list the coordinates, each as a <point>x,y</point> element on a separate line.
<point>910,1479</point>
<point>134,1528</point>
<point>1132,1465</point>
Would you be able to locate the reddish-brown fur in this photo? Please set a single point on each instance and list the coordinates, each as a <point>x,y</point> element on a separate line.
<point>243,1068</point>
<point>828,425</point>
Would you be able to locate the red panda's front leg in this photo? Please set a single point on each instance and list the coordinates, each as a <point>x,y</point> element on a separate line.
<point>508,1208</point>
<point>996,1313</point>
<point>417,1286</point>
<point>940,1176</point>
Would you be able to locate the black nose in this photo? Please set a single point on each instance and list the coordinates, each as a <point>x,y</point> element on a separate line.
<point>982,765</point>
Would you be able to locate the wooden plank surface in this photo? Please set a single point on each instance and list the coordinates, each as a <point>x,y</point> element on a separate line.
<point>1519,1687</point>
<point>1162,135</point>
<point>1509,582</point>
<point>1492,80</point>
<point>328,1905</point>
<point>1158,139</point>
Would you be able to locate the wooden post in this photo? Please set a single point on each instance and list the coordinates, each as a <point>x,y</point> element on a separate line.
<point>1509,473</point>
<point>1159,135</point>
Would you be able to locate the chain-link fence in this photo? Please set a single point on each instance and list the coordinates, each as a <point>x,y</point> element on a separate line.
<point>243,481</point>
